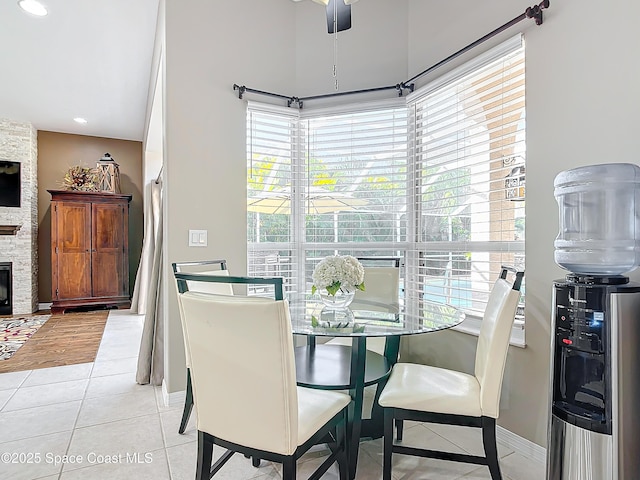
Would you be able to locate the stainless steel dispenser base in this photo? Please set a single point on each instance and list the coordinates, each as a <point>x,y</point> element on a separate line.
<point>579,454</point>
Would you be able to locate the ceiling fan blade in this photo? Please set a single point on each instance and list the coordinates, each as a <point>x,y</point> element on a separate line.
<point>343,14</point>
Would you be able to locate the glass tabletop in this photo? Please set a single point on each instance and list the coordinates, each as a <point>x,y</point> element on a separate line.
<point>371,319</point>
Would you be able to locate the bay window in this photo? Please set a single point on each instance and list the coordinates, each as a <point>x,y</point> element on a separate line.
<point>437,179</point>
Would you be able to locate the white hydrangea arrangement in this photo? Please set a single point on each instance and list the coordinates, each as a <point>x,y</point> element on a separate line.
<point>338,272</point>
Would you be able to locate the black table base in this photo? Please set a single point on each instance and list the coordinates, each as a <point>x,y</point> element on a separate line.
<point>339,367</point>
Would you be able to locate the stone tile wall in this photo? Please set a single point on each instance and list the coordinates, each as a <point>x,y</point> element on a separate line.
<point>18,143</point>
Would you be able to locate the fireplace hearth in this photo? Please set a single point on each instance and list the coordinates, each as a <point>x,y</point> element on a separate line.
<point>6,304</point>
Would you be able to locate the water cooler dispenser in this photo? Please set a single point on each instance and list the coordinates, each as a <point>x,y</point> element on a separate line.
<point>594,427</point>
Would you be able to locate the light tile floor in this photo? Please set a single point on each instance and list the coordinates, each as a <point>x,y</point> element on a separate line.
<point>92,421</point>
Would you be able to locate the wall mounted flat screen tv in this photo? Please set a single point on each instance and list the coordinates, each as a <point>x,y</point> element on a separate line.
<point>9,184</point>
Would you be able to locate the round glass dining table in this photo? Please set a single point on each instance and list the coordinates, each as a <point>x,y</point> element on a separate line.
<point>371,319</point>
<point>353,367</point>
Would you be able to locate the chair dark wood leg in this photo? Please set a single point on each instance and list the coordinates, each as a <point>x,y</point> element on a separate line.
<point>255,461</point>
<point>341,440</point>
<point>377,414</point>
<point>358,357</point>
<point>388,444</point>
<point>289,469</point>
<point>399,429</point>
<point>188,404</point>
<point>490,446</point>
<point>205,455</point>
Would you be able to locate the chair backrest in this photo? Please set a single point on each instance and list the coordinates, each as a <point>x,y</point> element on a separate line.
<point>243,369</point>
<point>380,261</point>
<point>204,268</point>
<point>381,281</point>
<point>493,341</point>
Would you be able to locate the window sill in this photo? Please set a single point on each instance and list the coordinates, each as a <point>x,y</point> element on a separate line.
<point>471,326</point>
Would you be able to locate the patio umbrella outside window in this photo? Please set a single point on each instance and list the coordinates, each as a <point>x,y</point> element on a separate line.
<point>318,201</point>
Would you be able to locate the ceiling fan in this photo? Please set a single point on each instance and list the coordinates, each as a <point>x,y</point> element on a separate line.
<point>338,14</point>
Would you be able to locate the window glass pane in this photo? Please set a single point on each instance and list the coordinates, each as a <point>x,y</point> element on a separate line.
<point>269,175</point>
<point>470,177</point>
<point>356,169</point>
<point>270,150</point>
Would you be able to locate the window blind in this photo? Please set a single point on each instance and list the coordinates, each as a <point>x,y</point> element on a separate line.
<point>356,166</point>
<point>271,150</point>
<point>341,180</point>
<point>468,180</point>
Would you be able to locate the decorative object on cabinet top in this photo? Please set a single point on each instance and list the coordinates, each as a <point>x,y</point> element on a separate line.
<point>108,174</point>
<point>83,179</point>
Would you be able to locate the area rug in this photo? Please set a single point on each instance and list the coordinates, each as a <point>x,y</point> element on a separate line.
<point>15,331</point>
<point>63,339</point>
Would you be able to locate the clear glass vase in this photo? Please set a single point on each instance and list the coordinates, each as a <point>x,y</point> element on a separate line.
<point>336,307</point>
<point>341,300</point>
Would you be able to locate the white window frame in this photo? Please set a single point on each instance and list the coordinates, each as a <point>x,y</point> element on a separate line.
<point>472,322</point>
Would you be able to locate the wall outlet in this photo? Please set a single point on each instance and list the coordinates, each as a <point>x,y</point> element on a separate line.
<point>197,238</point>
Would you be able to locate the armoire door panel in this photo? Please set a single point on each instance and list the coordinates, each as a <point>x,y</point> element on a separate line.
<point>74,276</point>
<point>108,227</point>
<point>72,222</point>
<point>107,274</point>
<point>72,250</point>
<point>108,254</point>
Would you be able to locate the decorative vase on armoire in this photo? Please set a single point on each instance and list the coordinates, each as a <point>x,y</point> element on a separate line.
<point>89,249</point>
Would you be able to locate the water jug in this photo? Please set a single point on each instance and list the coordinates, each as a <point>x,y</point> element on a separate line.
<point>599,225</point>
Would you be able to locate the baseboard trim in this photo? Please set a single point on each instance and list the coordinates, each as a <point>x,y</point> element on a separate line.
<point>45,306</point>
<point>521,445</point>
<point>173,399</point>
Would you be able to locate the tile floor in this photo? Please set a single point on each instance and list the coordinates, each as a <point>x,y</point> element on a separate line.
<point>108,427</point>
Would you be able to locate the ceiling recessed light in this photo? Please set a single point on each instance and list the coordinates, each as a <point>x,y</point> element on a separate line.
<point>33,7</point>
<point>80,120</point>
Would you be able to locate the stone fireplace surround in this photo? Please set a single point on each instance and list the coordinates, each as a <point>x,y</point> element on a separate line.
<point>19,225</point>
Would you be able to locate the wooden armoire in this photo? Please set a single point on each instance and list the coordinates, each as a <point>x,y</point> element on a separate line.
<point>89,249</point>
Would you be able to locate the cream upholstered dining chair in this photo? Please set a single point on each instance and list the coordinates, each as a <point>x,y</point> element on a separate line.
<point>382,286</point>
<point>244,384</point>
<point>437,395</point>
<point>205,267</point>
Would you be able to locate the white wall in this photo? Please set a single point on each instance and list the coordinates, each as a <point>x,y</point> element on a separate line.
<point>372,53</point>
<point>582,99</point>
<point>209,46</point>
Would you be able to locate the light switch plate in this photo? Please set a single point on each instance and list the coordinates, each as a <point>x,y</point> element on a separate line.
<point>197,238</point>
